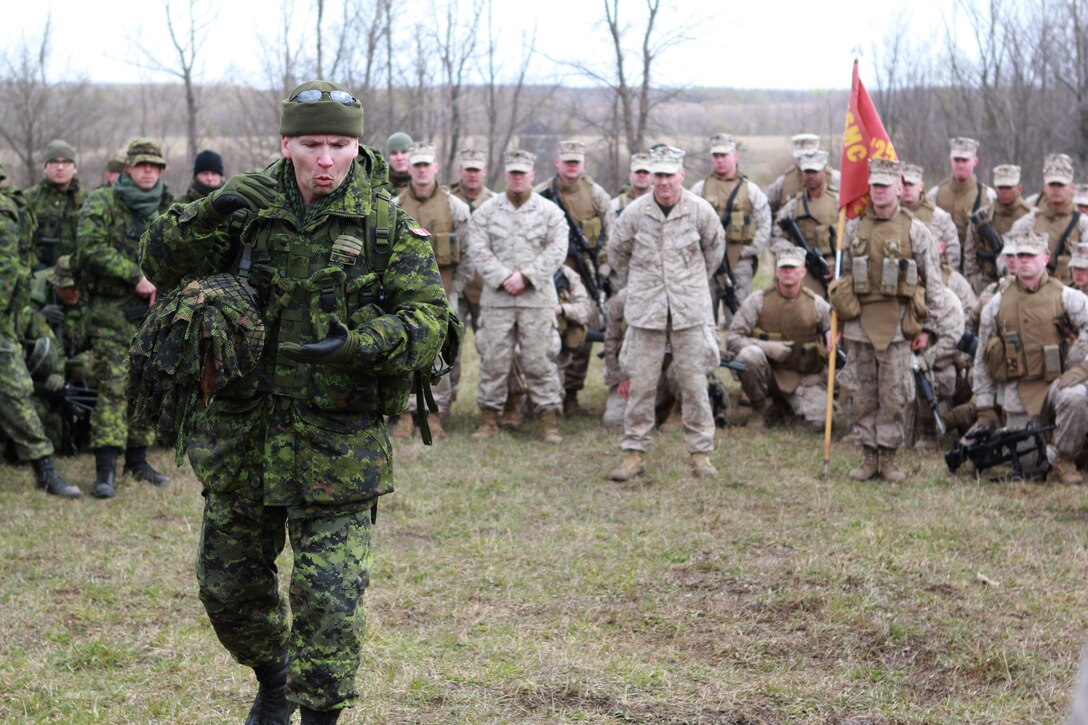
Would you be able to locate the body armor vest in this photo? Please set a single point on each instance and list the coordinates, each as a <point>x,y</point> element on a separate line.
<point>1005,215</point>
<point>793,182</point>
<point>1032,343</point>
<point>924,211</point>
<point>473,204</point>
<point>741,226</point>
<point>433,214</point>
<point>1053,223</point>
<point>791,319</point>
<point>816,217</point>
<point>960,199</point>
<point>578,200</point>
<point>884,272</point>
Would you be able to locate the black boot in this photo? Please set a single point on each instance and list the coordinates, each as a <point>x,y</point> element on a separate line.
<point>319,717</point>
<point>136,465</point>
<point>105,464</point>
<point>270,706</point>
<point>49,480</point>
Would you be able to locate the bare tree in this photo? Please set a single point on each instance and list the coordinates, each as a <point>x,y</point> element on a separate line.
<point>455,45</point>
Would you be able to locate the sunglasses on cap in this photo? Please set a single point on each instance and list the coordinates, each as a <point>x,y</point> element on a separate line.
<point>313,95</point>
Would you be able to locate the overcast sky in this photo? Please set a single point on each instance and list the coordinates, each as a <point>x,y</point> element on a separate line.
<point>785,44</point>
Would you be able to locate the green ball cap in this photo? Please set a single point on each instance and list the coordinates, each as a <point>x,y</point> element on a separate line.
<point>324,116</point>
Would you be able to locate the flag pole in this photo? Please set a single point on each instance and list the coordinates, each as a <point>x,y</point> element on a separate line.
<point>832,356</point>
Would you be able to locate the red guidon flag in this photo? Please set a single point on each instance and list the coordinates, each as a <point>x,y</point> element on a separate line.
<point>863,139</point>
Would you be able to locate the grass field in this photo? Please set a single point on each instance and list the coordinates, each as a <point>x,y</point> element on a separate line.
<point>513,584</point>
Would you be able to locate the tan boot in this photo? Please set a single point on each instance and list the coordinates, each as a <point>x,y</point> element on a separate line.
<point>511,412</point>
<point>434,422</point>
<point>489,424</point>
<point>1065,470</point>
<point>701,467</point>
<point>888,469</point>
<point>869,467</point>
<point>634,464</point>
<point>404,427</point>
<point>549,427</point>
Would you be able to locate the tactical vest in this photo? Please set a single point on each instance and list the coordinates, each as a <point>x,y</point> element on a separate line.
<point>793,182</point>
<point>299,284</point>
<point>57,213</point>
<point>741,226</point>
<point>473,204</point>
<point>960,199</point>
<point>1054,224</point>
<point>924,211</point>
<point>124,232</point>
<point>578,200</point>
<point>796,320</point>
<point>817,217</point>
<point>571,334</point>
<point>884,272</point>
<point>433,214</point>
<point>1032,343</point>
<point>13,205</point>
<point>1005,215</point>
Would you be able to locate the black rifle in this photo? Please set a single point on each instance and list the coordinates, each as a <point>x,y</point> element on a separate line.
<point>990,242</point>
<point>1052,265</point>
<point>578,248</point>
<point>988,449</point>
<point>727,286</point>
<point>733,365</point>
<point>814,259</point>
<point>968,343</point>
<point>46,248</point>
<point>919,367</point>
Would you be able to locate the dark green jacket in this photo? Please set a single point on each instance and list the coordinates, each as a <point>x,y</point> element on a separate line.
<point>58,218</point>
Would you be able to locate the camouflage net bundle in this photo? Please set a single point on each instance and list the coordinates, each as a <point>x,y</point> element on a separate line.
<point>191,345</point>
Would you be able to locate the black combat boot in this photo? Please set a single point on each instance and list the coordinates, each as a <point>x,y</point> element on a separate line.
<point>105,465</point>
<point>136,465</point>
<point>319,717</point>
<point>271,707</point>
<point>49,480</point>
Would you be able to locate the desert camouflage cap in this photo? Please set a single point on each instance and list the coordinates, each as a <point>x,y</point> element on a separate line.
<point>790,257</point>
<point>1057,169</point>
<point>812,161</point>
<point>1006,175</point>
<point>518,161</point>
<point>1080,196</point>
<point>912,174</point>
<point>1032,243</point>
<point>667,160</point>
<point>803,143</point>
<point>60,275</point>
<point>60,149</point>
<point>571,150</point>
<point>963,147</point>
<point>473,158</point>
<point>722,143</point>
<point>421,153</point>
<point>884,172</point>
<point>1008,247</point>
<point>1079,259</point>
<point>640,162</point>
<point>144,151</point>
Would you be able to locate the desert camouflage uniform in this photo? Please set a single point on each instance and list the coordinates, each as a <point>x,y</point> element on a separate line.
<point>958,199</point>
<point>531,239</point>
<point>941,228</point>
<point>817,220</point>
<point>958,285</point>
<point>107,269</point>
<point>877,376</point>
<point>804,392</point>
<point>665,264</point>
<point>743,255</point>
<point>57,213</point>
<point>453,264</point>
<point>1002,217</point>
<point>946,370</point>
<point>1045,219</point>
<point>789,184</point>
<point>299,443</point>
<point>18,417</point>
<point>1035,401</point>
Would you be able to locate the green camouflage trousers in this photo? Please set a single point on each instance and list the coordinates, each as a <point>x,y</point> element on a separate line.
<point>236,569</point>
<point>18,418</point>
<point>109,421</point>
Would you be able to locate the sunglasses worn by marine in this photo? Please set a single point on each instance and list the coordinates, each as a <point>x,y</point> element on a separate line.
<point>313,95</point>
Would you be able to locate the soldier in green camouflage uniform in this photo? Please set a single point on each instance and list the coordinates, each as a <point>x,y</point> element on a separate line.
<point>300,443</point>
<point>118,296</point>
<point>18,419</point>
<point>56,201</point>
<point>208,175</point>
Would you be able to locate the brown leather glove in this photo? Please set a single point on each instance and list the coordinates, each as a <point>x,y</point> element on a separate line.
<point>1076,374</point>
<point>987,418</point>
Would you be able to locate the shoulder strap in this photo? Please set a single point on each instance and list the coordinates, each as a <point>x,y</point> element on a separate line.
<point>978,196</point>
<point>729,202</point>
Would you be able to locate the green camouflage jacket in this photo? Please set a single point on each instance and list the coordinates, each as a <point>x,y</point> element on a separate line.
<point>17,227</point>
<point>106,263</point>
<point>303,434</point>
<point>58,218</point>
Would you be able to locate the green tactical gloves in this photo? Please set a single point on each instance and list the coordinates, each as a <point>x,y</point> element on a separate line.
<point>339,347</point>
<point>253,191</point>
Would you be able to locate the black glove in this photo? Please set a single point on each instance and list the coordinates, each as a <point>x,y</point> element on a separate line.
<point>253,191</point>
<point>53,314</point>
<point>338,348</point>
